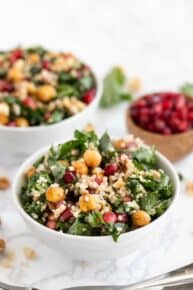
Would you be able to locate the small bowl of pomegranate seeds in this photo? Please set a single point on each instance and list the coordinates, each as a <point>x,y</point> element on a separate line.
<point>43,96</point>
<point>164,119</point>
<point>95,197</point>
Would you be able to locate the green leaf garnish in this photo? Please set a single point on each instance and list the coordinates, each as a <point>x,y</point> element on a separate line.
<point>115,91</point>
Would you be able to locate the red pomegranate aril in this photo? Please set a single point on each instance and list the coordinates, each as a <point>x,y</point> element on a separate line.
<point>167,104</point>
<point>5,86</point>
<point>190,116</point>
<point>89,96</point>
<point>51,225</point>
<point>156,109</point>
<point>16,54</point>
<point>183,126</point>
<point>144,111</point>
<point>69,176</point>
<point>110,169</point>
<point>66,215</point>
<point>46,64</point>
<point>30,103</point>
<point>12,124</point>
<point>109,217</point>
<point>122,218</point>
<point>182,113</point>
<point>180,102</point>
<point>141,103</point>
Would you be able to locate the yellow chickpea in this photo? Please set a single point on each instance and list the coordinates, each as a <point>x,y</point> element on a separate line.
<point>55,194</point>
<point>33,58</point>
<point>119,144</point>
<point>21,122</point>
<point>31,171</point>
<point>92,158</point>
<point>4,119</point>
<point>140,218</point>
<point>80,167</point>
<point>15,74</point>
<point>31,88</point>
<point>87,202</point>
<point>45,93</point>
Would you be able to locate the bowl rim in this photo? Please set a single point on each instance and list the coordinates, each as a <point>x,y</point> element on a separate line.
<point>65,121</point>
<point>153,134</point>
<point>32,158</point>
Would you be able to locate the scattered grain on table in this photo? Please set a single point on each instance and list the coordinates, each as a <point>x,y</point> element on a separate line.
<point>2,245</point>
<point>4,183</point>
<point>29,253</point>
<point>8,259</point>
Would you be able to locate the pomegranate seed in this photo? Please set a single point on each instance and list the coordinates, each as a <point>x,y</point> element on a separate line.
<point>180,102</point>
<point>51,225</point>
<point>69,176</point>
<point>30,103</point>
<point>141,103</point>
<point>122,218</point>
<point>109,217</point>
<point>111,169</point>
<point>16,54</point>
<point>5,86</point>
<point>12,124</point>
<point>190,116</point>
<point>46,65</point>
<point>89,96</point>
<point>66,215</point>
<point>156,109</point>
<point>167,104</point>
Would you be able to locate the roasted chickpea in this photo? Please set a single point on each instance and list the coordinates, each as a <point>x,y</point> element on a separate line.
<point>3,119</point>
<point>55,194</point>
<point>31,171</point>
<point>140,218</point>
<point>15,74</point>
<point>33,58</point>
<point>45,93</point>
<point>87,202</point>
<point>80,167</point>
<point>92,158</point>
<point>21,122</point>
<point>120,144</point>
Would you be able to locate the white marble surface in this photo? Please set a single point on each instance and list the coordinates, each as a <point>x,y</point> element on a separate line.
<point>150,38</point>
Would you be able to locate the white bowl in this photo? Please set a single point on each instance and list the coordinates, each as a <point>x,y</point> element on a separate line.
<point>96,248</point>
<point>27,140</point>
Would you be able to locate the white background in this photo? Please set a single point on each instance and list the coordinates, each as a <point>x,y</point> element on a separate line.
<point>151,39</point>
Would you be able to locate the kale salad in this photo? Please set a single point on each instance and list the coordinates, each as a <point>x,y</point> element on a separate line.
<point>96,186</point>
<point>42,87</point>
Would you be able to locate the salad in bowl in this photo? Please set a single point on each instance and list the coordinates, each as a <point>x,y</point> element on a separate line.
<point>95,187</point>
<point>42,87</point>
<point>44,95</point>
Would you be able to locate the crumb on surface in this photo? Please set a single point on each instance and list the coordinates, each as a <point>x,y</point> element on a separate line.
<point>4,183</point>
<point>189,187</point>
<point>8,259</point>
<point>2,245</point>
<point>135,84</point>
<point>29,253</point>
<point>89,128</point>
